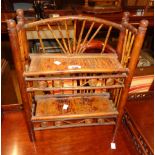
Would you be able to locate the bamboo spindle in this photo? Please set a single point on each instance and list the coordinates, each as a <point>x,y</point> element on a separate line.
<point>68,38</point>
<point>80,37</point>
<point>40,39</point>
<point>54,36</point>
<point>129,50</point>
<point>126,51</point>
<point>118,100</point>
<point>128,42</point>
<point>63,39</point>
<point>128,47</point>
<point>124,47</point>
<point>86,37</point>
<point>13,35</point>
<point>93,36</point>
<point>74,39</point>
<point>139,38</point>
<point>106,40</point>
<point>116,95</point>
<point>73,81</point>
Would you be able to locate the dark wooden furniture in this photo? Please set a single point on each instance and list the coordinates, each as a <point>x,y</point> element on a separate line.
<point>100,7</point>
<point>82,88</point>
<point>139,121</point>
<point>145,5</point>
<point>9,100</point>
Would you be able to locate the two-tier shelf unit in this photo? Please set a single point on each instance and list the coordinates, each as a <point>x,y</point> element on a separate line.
<point>85,82</point>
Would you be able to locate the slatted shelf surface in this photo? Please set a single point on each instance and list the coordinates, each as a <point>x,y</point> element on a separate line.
<point>59,64</point>
<point>77,107</point>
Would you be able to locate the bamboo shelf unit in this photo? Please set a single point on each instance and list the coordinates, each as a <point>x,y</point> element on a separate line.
<point>85,83</point>
<point>80,82</point>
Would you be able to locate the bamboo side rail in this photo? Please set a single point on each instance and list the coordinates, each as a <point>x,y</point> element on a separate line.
<point>31,89</point>
<point>37,118</point>
<point>104,94</point>
<point>71,125</point>
<point>85,56</point>
<point>75,77</point>
<point>77,17</point>
<point>39,73</point>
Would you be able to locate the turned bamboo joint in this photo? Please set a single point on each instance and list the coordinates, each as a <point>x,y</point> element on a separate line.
<point>11,24</point>
<point>143,25</point>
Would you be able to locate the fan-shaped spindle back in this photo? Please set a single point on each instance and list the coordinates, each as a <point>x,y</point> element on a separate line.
<point>76,42</point>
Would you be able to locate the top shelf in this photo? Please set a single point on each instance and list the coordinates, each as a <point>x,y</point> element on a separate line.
<point>45,64</point>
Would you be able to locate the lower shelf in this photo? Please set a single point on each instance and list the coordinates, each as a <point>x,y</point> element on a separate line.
<point>73,111</point>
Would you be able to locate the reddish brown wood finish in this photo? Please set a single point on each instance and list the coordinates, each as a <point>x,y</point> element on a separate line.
<point>71,141</point>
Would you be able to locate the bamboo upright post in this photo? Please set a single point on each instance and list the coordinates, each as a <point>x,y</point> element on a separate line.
<point>132,65</point>
<point>22,34</point>
<point>13,35</point>
<point>119,50</point>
